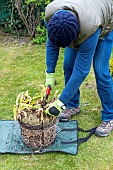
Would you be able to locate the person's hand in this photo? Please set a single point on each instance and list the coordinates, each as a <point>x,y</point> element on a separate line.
<point>55,108</point>
<point>50,80</point>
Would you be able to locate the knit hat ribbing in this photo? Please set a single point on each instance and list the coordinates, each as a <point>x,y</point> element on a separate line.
<point>63,28</point>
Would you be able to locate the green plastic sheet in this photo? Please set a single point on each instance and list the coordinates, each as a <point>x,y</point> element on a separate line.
<point>11,140</point>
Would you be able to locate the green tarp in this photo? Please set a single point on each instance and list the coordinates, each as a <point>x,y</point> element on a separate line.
<point>11,141</point>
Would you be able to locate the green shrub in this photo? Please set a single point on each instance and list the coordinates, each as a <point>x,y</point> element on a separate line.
<point>12,23</point>
<point>26,18</point>
<point>41,33</point>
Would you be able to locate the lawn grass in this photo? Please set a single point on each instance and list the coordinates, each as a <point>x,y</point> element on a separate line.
<point>22,68</point>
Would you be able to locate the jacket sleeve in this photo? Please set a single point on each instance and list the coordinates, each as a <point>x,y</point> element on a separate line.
<point>81,67</point>
<point>52,53</point>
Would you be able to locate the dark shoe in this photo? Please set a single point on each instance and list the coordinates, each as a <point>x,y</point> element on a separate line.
<point>104,129</point>
<point>67,113</point>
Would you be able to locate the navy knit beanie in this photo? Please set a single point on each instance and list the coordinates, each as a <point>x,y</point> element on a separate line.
<point>63,28</point>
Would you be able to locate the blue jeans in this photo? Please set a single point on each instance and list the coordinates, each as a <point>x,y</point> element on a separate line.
<point>102,74</point>
<point>101,69</point>
<point>68,68</point>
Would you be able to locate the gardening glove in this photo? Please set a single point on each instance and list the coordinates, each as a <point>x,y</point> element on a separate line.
<point>55,108</point>
<point>50,80</point>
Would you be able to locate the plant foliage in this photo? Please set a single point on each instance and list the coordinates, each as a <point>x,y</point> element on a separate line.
<point>27,17</point>
<point>40,36</point>
<point>12,23</point>
<point>33,18</point>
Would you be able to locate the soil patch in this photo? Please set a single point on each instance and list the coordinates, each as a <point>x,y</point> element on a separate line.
<point>6,38</point>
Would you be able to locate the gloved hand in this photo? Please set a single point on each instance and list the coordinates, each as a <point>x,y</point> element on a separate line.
<point>55,108</point>
<point>50,80</point>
